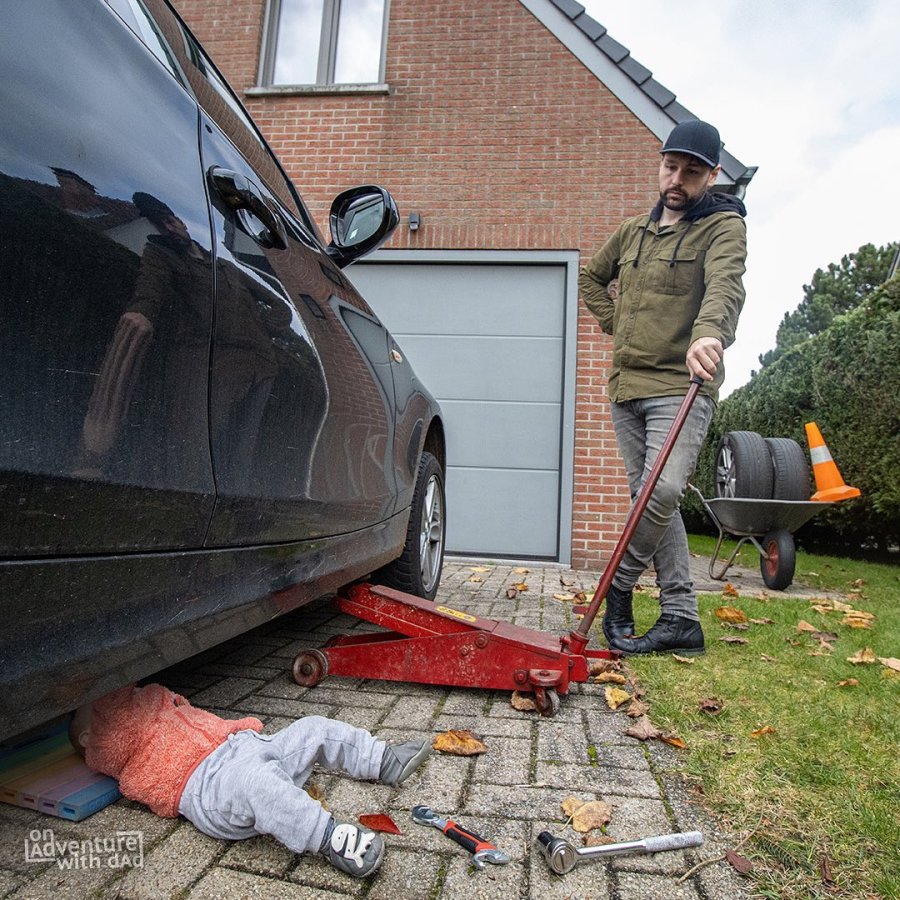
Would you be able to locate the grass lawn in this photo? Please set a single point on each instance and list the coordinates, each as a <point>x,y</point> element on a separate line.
<point>820,791</point>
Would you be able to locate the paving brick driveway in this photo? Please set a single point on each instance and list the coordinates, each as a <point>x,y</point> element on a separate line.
<point>509,794</point>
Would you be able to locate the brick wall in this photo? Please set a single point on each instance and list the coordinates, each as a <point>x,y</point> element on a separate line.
<point>500,139</point>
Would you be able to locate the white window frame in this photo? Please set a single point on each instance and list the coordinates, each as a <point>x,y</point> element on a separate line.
<point>328,40</point>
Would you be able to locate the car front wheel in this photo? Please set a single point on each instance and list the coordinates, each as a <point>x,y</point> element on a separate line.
<point>418,569</point>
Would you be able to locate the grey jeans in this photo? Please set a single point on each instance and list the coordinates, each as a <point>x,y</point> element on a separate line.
<point>660,539</point>
<point>253,783</point>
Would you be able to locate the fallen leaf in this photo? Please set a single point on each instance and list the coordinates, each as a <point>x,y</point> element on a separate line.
<point>598,840</point>
<point>571,804</point>
<point>824,645</point>
<point>765,658</point>
<point>711,705</point>
<point>848,682</point>
<point>764,596</point>
<point>580,597</point>
<point>610,678</point>
<point>738,863</point>
<point>521,570</point>
<point>763,621</point>
<point>857,619</point>
<point>730,614</point>
<point>459,742</point>
<point>476,579</point>
<point>591,815</point>
<point>615,697</point>
<point>521,586</point>
<point>803,625</point>
<point>523,702</point>
<point>825,872</point>
<point>730,590</point>
<point>316,793</point>
<point>766,729</point>
<point>891,662</point>
<point>823,636</point>
<point>380,822</point>
<point>736,626</point>
<point>563,597</point>
<point>673,741</point>
<point>479,568</point>
<point>859,583</point>
<point>565,582</point>
<point>683,659</point>
<point>731,639</point>
<point>643,729</point>
<point>866,655</point>
<point>637,708</point>
<point>512,593</point>
<point>597,666</point>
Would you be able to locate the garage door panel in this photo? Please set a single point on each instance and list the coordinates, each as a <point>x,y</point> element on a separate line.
<point>463,299</point>
<point>487,368</point>
<point>502,435</point>
<point>494,511</point>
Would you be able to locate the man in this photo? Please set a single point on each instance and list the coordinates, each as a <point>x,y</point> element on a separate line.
<point>668,287</point>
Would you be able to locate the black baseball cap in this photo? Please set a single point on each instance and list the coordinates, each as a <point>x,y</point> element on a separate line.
<point>696,138</point>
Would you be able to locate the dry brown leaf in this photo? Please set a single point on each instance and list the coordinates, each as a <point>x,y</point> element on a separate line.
<point>687,660</point>
<point>594,814</point>
<point>512,593</point>
<point>479,568</point>
<point>521,570</point>
<point>738,862</point>
<point>316,792</point>
<point>763,621</point>
<point>803,625</point>
<point>764,596</point>
<point>891,662</point>
<point>476,579</point>
<point>673,741</point>
<point>571,804</point>
<point>458,742</point>
<point>712,706</point>
<point>731,639</point>
<point>730,590</point>
<point>858,620</point>
<point>643,729</point>
<point>566,582</point>
<point>580,597</point>
<point>563,598</point>
<point>615,697</point>
<point>379,822</point>
<point>765,658</point>
<point>865,656</point>
<point>597,666</point>
<point>522,702</point>
<point>730,614</point>
<point>521,586</point>
<point>848,682</point>
<point>765,729</point>
<point>637,708</point>
<point>598,840</point>
<point>610,678</point>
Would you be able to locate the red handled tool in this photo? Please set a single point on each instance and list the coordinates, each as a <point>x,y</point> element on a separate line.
<point>482,851</point>
<point>429,644</point>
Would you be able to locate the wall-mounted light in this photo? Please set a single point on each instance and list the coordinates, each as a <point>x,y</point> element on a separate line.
<point>414,221</point>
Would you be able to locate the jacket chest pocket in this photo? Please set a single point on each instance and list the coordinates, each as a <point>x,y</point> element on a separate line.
<point>681,274</point>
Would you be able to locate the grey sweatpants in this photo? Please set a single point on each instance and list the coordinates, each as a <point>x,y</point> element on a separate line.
<point>253,783</point>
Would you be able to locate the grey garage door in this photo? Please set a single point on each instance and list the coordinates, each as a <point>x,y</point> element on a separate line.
<point>488,341</point>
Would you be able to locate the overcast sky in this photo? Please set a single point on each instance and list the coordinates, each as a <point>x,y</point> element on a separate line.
<point>809,91</point>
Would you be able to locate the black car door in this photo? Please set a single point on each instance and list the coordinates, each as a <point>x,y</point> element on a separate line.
<point>301,411</point>
<point>106,290</point>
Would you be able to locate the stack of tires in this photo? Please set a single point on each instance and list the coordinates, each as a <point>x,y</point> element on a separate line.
<point>753,467</point>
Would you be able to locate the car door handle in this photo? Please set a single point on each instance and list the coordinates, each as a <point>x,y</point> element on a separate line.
<point>242,193</point>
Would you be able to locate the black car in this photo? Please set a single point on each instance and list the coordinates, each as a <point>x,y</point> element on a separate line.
<point>202,424</point>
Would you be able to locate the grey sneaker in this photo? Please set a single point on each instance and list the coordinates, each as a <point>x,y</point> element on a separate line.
<point>352,848</point>
<point>401,760</point>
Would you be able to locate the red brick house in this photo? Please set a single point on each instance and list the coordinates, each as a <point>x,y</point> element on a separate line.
<point>515,136</point>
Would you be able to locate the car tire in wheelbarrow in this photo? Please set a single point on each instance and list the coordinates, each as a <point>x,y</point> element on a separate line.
<point>777,566</point>
<point>743,466</point>
<point>790,471</point>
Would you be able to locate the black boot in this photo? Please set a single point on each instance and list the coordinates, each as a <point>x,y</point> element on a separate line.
<point>670,634</point>
<point>618,620</point>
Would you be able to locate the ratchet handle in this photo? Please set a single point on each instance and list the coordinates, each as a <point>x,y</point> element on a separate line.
<point>468,839</point>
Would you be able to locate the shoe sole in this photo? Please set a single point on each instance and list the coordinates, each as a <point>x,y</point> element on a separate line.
<point>674,650</point>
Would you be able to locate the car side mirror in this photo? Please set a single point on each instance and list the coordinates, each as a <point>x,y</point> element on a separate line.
<point>361,220</point>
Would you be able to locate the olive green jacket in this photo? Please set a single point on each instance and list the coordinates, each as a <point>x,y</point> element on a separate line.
<point>677,283</point>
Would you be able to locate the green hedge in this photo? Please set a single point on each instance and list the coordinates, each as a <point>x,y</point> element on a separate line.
<point>847,380</point>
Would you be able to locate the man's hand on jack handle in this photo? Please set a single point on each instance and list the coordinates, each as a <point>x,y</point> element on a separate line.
<point>704,356</point>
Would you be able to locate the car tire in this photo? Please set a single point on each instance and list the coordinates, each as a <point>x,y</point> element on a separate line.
<point>790,472</point>
<point>743,466</point>
<point>777,566</point>
<point>418,569</point>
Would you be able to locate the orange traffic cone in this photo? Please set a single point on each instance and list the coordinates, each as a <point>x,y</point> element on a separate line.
<point>829,484</point>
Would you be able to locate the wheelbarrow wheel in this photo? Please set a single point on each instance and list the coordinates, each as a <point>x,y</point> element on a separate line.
<point>743,466</point>
<point>777,566</point>
<point>310,667</point>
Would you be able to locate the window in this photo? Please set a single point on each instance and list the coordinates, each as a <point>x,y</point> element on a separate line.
<point>324,42</point>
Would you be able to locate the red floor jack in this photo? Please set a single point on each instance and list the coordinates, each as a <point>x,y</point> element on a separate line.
<point>428,644</point>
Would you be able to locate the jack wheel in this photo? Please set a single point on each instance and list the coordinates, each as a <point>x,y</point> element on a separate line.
<point>310,667</point>
<point>547,702</point>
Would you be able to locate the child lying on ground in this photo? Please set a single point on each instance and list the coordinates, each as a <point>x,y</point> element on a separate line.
<point>233,782</point>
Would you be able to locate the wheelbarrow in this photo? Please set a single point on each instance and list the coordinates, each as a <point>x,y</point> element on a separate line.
<point>767,524</point>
